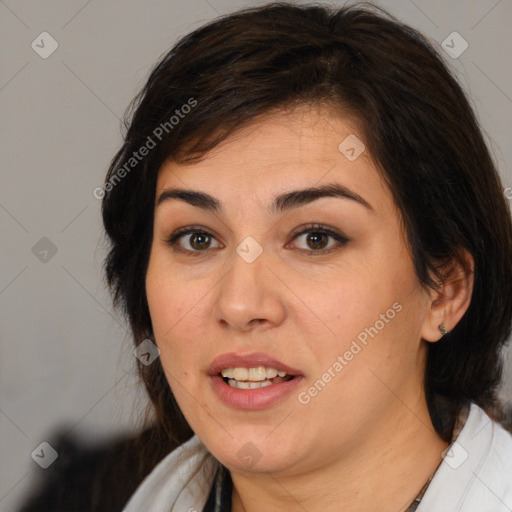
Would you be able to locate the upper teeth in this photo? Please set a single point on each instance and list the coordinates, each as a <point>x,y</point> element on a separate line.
<point>259,373</point>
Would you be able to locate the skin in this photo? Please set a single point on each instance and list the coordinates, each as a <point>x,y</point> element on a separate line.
<point>365,441</point>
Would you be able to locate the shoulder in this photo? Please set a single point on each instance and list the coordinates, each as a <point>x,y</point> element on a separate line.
<point>182,480</point>
<point>476,472</point>
<point>497,466</point>
<point>492,477</point>
<point>100,477</point>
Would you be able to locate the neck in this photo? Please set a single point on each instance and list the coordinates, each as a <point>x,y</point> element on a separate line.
<point>385,473</point>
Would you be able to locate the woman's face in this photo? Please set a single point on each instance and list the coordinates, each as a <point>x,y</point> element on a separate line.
<point>320,286</point>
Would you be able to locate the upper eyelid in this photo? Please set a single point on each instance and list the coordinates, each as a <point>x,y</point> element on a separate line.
<point>187,230</point>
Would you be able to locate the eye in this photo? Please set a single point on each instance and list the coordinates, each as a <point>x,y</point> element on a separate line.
<point>196,238</point>
<point>317,237</point>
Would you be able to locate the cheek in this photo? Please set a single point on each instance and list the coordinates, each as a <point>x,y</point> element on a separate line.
<point>349,304</point>
<point>369,278</point>
<point>371,316</point>
<point>177,312</point>
<point>172,297</point>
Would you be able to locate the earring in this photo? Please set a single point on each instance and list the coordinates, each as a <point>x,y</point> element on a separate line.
<point>443,330</point>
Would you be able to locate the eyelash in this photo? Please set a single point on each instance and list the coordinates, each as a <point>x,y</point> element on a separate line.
<point>312,228</point>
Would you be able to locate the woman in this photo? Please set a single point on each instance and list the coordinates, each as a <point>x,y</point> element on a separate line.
<point>310,241</point>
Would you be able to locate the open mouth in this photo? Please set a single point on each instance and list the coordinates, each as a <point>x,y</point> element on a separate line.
<point>237,381</point>
<point>253,378</point>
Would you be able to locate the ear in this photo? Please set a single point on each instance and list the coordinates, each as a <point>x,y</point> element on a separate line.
<point>452,298</point>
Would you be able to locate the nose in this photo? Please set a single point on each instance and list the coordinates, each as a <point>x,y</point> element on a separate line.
<point>250,295</point>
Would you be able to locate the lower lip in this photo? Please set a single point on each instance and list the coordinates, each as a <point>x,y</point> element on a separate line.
<point>258,398</point>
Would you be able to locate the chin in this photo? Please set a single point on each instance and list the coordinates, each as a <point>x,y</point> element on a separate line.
<point>254,454</point>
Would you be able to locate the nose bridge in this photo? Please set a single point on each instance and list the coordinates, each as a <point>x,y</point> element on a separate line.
<point>247,291</point>
<point>246,278</point>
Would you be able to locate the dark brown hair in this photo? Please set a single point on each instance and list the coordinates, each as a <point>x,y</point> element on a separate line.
<point>416,123</point>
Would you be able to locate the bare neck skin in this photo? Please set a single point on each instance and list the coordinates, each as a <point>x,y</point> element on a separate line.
<point>385,473</point>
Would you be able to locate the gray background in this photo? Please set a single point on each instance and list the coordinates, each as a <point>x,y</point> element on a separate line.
<point>66,360</point>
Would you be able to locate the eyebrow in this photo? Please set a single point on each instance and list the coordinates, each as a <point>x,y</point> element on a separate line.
<point>281,203</point>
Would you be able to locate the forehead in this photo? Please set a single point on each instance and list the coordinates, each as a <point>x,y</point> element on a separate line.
<point>281,151</point>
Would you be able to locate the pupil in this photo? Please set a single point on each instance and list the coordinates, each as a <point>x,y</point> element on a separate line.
<point>317,240</point>
<point>197,236</point>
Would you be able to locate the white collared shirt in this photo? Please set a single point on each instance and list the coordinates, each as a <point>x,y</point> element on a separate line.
<point>475,475</point>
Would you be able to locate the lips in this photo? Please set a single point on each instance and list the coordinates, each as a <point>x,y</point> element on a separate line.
<point>233,360</point>
<point>259,395</point>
